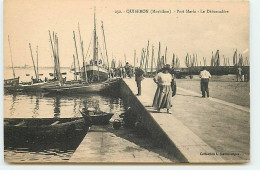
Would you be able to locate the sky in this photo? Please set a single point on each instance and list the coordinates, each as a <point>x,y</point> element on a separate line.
<point>29,21</point>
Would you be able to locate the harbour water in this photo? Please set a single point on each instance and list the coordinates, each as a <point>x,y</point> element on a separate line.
<point>39,105</point>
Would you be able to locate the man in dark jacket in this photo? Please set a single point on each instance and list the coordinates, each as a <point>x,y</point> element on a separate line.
<point>138,78</point>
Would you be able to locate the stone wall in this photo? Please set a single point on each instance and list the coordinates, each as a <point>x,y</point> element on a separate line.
<point>148,122</point>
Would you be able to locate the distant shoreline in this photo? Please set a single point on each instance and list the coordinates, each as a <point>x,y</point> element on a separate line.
<point>31,67</point>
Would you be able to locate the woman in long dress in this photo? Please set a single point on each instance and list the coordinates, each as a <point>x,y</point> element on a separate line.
<point>163,95</point>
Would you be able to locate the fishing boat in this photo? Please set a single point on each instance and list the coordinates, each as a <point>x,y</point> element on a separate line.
<point>13,85</point>
<point>45,128</point>
<point>96,118</point>
<point>11,82</point>
<point>94,76</point>
<point>83,88</point>
<point>96,70</point>
<point>37,87</point>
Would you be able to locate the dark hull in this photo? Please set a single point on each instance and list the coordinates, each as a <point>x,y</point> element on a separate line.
<point>11,82</point>
<point>85,88</point>
<point>99,118</point>
<point>40,87</point>
<point>94,75</point>
<point>30,129</point>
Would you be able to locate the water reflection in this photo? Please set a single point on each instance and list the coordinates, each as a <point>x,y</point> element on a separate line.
<point>57,106</point>
<point>36,108</point>
<point>12,108</point>
<point>54,106</point>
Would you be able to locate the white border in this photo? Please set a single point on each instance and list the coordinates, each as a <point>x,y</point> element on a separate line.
<point>254,101</point>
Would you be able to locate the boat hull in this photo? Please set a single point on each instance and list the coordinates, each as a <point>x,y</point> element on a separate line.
<point>37,87</point>
<point>95,73</point>
<point>85,88</point>
<point>100,118</point>
<point>31,129</point>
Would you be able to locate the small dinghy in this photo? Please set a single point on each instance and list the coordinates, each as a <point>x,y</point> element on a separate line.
<point>96,118</point>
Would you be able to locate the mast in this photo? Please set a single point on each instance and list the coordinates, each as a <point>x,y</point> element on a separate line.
<point>97,60</point>
<point>54,55</point>
<point>146,58</point>
<point>173,60</point>
<point>159,58</point>
<point>102,26</point>
<point>58,60</point>
<point>55,51</point>
<point>35,71</point>
<point>142,58</point>
<point>82,50</point>
<point>11,56</point>
<point>165,58</point>
<point>37,61</point>
<point>77,56</point>
<point>95,38</point>
<point>152,59</point>
<point>134,58</point>
<point>75,74</point>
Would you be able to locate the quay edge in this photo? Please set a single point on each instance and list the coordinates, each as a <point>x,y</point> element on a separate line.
<point>149,123</point>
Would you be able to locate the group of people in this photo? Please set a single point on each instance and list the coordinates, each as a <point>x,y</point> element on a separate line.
<point>123,72</point>
<point>242,74</point>
<point>166,87</point>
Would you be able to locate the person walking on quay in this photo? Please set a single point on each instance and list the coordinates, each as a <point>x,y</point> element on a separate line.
<point>138,78</point>
<point>163,94</point>
<point>239,74</point>
<point>204,83</point>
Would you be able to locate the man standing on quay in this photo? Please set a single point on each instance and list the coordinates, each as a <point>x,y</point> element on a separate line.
<point>204,82</point>
<point>138,78</point>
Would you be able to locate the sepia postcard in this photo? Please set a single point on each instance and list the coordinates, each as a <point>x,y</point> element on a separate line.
<point>126,82</point>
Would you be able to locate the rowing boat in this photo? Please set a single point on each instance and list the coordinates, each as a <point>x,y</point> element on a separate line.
<point>97,118</point>
<point>44,128</point>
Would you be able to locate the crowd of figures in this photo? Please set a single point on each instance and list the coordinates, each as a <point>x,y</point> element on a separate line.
<point>243,74</point>
<point>123,72</point>
<point>166,85</point>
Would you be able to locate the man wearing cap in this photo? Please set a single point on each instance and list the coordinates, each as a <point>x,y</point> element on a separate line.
<point>204,82</point>
<point>138,78</point>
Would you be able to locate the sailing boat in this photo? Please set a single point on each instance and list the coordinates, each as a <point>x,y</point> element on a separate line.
<point>14,82</point>
<point>94,76</point>
<point>37,85</point>
<point>96,69</point>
